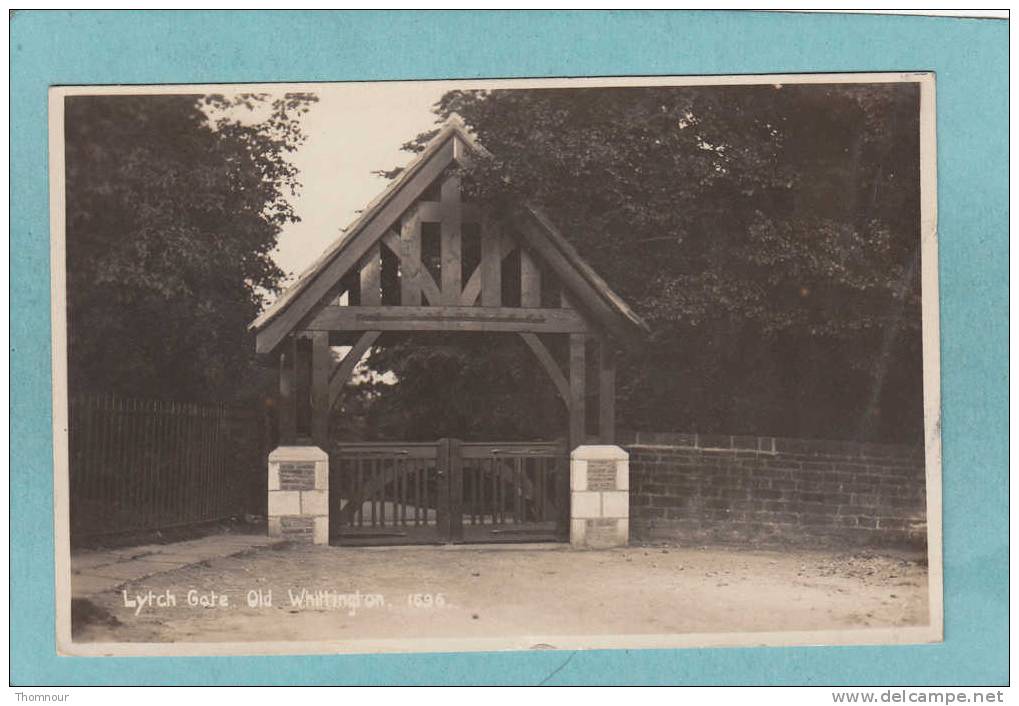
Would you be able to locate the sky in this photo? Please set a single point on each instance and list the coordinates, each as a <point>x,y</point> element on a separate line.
<point>354,129</point>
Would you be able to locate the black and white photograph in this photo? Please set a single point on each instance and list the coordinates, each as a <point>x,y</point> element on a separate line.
<point>436,366</point>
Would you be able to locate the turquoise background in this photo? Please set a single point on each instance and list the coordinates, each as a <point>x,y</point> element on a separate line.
<point>971,61</point>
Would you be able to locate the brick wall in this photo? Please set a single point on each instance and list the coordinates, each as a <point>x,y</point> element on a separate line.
<point>689,487</point>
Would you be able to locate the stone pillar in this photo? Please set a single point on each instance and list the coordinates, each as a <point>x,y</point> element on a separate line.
<point>599,497</point>
<point>299,494</point>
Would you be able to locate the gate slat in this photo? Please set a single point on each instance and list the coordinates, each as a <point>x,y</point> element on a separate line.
<point>507,497</point>
<point>417,495</point>
<point>518,492</point>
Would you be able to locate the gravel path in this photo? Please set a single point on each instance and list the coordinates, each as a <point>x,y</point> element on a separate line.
<point>323,593</point>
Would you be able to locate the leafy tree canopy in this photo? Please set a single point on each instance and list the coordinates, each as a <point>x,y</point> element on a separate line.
<point>174,204</point>
<point>769,234</point>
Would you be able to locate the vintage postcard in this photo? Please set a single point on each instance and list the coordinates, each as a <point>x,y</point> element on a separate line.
<point>496,365</point>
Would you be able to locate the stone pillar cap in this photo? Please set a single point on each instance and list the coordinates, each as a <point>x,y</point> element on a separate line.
<point>298,453</point>
<point>599,453</point>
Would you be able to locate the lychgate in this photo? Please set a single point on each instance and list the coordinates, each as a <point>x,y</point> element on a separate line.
<point>422,259</point>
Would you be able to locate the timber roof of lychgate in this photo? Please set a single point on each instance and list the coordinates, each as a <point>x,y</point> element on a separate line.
<point>561,255</point>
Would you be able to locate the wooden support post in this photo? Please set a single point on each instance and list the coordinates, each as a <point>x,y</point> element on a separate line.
<point>287,398</point>
<point>578,388</point>
<point>530,281</point>
<point>321,367</point>
<point>452,284</point>
<point>371,277</point>
<point>578,424</point>
<point>606,392</point>
<point>410,259</point>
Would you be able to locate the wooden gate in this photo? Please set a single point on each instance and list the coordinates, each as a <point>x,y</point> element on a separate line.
<point>448,492</point>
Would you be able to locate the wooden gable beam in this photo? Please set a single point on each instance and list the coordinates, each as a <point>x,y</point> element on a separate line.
<point>312,296</point>
<point>538,241</point>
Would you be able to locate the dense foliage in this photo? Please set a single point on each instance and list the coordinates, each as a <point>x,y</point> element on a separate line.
<point>174,204</point>
<point>769,235</point>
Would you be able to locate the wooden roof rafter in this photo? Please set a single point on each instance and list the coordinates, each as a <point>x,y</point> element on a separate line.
<point>394,223</point>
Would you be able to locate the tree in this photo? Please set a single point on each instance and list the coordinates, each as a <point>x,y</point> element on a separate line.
<point>769,234</point>
<point>174,205</point>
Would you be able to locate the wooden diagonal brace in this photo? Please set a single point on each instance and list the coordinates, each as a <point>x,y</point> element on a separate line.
<point>550,365</point>
<point>345,368</point>
<point>473,288</point>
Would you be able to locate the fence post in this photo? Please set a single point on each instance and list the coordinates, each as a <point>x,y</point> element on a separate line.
<point>148,464</point>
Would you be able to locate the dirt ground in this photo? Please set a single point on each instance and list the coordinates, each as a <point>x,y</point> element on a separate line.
<point>443,592</point>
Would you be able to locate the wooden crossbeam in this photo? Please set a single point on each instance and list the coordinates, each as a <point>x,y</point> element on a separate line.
<point>548,362</point>
<point>345,368</point>
<point>448,318</point>
<point>431,212</point>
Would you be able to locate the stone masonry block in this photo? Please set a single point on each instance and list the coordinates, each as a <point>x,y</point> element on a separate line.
<point>586,505</point>
<point>315,502</point>
<point>321,475</point>
<point>320,534</point>
<point>578,531</point>
<point>603,533</point>
<point>578,475</point>
<point>594,452</point>
<point>616,504</point>
<point>298,453</point>
<point>623,475</point>
<point>297,528</point>
<point>282,502</point>
<point>298,494</point>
